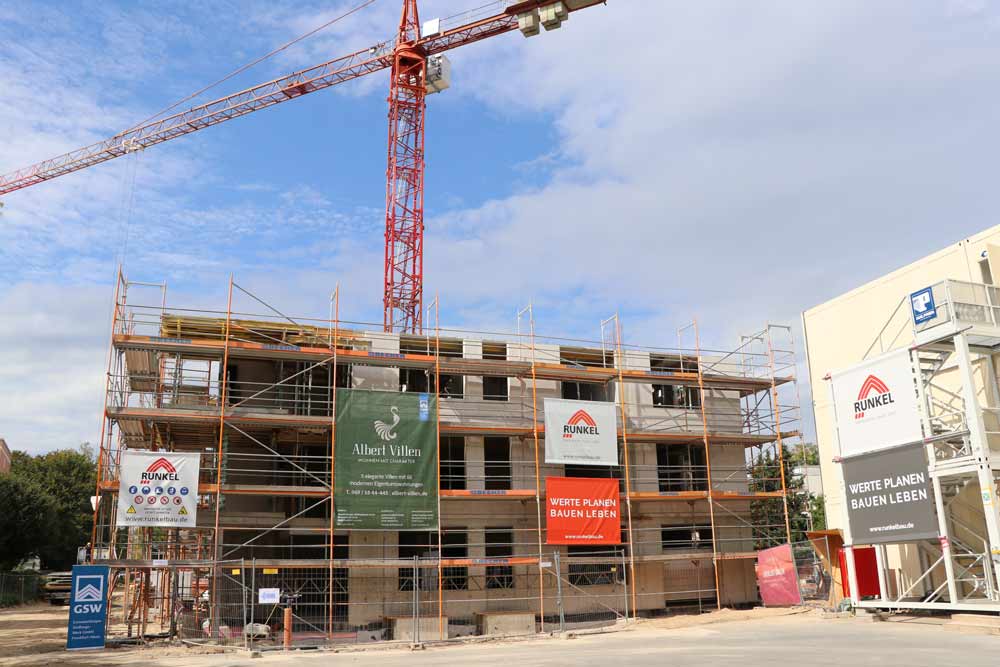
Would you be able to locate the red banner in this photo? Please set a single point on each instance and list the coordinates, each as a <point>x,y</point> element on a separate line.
<point>581,510</point>
<point>777,577</point>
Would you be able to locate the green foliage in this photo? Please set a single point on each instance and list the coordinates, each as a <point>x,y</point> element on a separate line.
<point>806,454</point>
<point>27,514</point>
<point>768,516</point>
<point>818,505</point>
<point>66,479</point>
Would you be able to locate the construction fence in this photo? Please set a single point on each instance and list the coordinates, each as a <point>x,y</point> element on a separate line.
<point>812,564</point>
<point>17,588</point>
<point>242,603</point>
<point>250,604</point>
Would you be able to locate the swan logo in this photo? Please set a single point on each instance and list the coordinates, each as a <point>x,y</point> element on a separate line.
<point>388,431</point>
<point>866,402</point>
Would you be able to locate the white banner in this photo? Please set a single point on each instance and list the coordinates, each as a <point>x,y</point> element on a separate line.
<point>580,432</point>
<point>158,489</point>
<point>876,404</point>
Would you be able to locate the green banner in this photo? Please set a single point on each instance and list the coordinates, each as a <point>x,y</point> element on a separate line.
<point>386,461</point>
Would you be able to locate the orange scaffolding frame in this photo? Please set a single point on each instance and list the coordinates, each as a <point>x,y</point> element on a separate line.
<point>124,335</point>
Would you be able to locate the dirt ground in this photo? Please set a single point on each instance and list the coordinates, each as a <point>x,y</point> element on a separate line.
<point>34,636</point>
<point>32,629</point>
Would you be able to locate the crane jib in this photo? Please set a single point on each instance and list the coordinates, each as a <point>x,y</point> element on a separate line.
<point>407,58</point>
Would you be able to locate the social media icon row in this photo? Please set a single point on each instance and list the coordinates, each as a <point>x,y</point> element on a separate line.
<point>170,490</point>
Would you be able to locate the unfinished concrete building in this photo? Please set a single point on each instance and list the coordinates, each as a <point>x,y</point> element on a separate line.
<point>700,435</point>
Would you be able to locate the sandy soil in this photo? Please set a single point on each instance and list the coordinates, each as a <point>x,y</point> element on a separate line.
<point>32,629</point>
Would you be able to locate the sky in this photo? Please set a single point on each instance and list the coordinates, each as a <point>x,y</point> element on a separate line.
<point>734,163</point>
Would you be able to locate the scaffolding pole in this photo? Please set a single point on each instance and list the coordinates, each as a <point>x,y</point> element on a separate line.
<point>530,311</point>
<point>625,456</point>
<point>334,339</point>
<point>776,408</point>
<point>213,613</point>
<point>708,458</point>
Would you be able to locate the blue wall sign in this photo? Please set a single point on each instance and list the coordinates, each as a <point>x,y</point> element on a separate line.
<point>922,304</point>
<point>88,611</point>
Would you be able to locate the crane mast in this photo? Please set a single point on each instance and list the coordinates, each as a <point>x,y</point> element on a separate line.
<point>404,197</point>
<point>408,58</point>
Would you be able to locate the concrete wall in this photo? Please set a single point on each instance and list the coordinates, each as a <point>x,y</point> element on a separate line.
<point>374,593</point>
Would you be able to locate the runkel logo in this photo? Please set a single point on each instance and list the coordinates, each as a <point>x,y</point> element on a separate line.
<point>866,402</point>
<point>581,423</point>
<point>159,470</point>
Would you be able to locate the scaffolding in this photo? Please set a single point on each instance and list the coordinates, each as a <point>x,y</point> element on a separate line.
<point>702,438</point>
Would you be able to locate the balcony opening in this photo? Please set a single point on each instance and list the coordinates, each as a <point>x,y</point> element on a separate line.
<point>686,537</point>
<point>674,395</point>
<point>586,391</point>
<point>496,455</point>
<point>455,544</point>
<point>499,544</point>
<point>681,467</point>
<point>453,462</point>
<point>420,544</point>
<point>595,574</point>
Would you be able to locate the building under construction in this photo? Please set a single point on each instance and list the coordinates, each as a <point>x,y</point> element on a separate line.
<point>253,390</point>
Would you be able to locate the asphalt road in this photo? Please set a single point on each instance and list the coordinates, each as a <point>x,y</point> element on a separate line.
<point>788,641</point>
<point>804,640</point>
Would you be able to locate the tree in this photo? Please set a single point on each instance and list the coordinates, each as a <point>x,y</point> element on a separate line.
<point>27,514</point>
<point>767,516</point>
<point>66,477</point>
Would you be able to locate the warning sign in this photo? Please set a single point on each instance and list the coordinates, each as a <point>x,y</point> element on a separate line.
<point>158,489</point>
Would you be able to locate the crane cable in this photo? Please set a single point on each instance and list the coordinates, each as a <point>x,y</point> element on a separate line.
<point>255,62</point>
<point>133,148</point>
<point>127,204</point>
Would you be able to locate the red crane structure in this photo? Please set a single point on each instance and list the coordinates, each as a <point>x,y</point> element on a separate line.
<point>417,69</point>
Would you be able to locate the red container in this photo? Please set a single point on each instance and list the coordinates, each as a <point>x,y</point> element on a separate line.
<point>866,568</point>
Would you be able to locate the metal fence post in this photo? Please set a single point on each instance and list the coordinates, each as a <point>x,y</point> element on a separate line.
<point>243,588</point>
<point>415,634</point>
<point>559,595</point>
<point>253,597</point>
<point>625,581</point>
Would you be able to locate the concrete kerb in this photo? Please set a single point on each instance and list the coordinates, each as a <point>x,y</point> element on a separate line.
<point>727,616</point>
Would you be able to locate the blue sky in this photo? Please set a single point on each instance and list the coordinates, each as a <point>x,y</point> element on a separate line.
<point>737,163</point>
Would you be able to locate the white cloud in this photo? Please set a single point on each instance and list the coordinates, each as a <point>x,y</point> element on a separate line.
<point>734,163</point>
<point>54,339</point>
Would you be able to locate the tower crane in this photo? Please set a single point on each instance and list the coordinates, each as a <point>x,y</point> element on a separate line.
<point>417,67</point>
